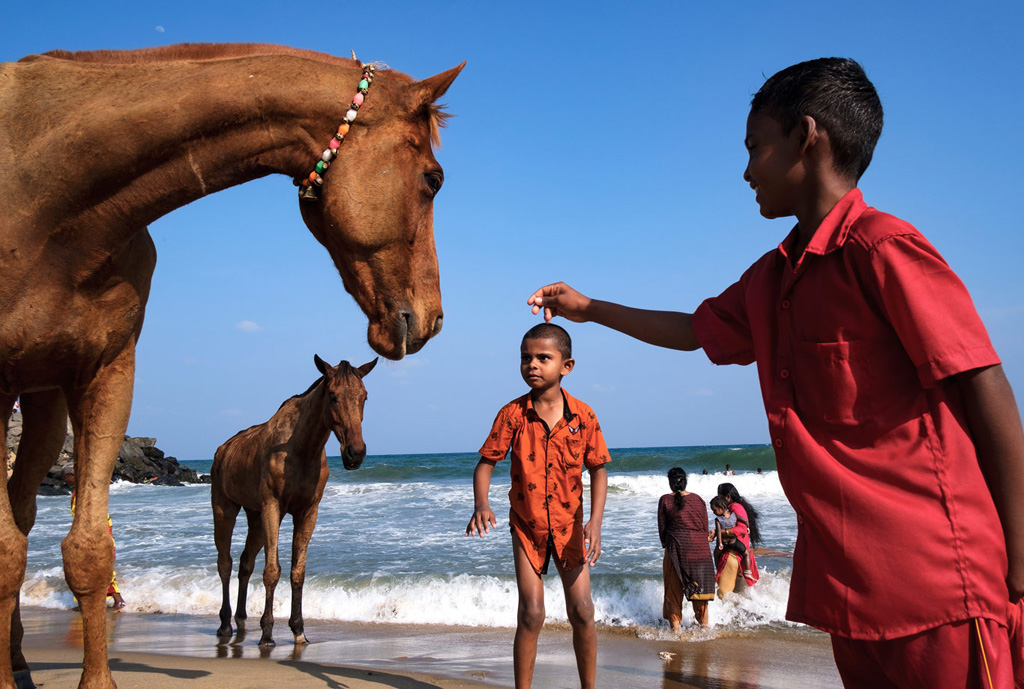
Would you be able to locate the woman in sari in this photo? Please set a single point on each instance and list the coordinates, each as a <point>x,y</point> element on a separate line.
<point>688,569</point>
<point>730,565</point>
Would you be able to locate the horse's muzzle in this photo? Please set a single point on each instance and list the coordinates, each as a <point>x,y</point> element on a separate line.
<point>352,458</point>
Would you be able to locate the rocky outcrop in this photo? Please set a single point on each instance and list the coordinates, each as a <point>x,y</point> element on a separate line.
<point>138,461</point>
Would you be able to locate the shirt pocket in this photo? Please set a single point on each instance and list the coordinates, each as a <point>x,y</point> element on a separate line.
<point>572,451</point>
<point>855,383</point>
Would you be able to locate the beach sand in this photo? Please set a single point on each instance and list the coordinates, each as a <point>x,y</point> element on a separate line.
<point>162,651</point>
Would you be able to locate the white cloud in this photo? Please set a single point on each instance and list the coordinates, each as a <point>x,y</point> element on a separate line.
<point>159,29</point>
<point>248,326</point>
<point>702,392</point>
<point>598,387</point>
<point>232,413</point>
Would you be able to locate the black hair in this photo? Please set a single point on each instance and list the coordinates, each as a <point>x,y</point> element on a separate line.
<point>729,492</point>
<point>719,502</point>
<point>837,93</point>
<point>555,333</point>
<point>677,484</point>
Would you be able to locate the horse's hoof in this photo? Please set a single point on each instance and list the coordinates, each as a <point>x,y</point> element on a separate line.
<point>267,643</point>
<point>224,633</point>
<point>23,680</point>
<point>301,639</point>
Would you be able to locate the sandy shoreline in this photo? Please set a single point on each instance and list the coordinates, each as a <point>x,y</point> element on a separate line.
<point>159,651</point>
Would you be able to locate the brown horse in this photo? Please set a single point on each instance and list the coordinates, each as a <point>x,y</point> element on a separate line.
<point>97,145</point>
<point>277,468</point>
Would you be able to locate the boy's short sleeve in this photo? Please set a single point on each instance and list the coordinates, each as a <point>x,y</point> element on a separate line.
<point>500,438</point>
<point>596,453</point>
<point>723,328</point>
<point>930,309</point>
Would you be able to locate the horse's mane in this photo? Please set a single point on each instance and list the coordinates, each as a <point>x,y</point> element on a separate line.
<point>185,52</point>
<point>303,394</point>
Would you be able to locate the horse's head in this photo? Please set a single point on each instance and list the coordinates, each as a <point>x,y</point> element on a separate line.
<point>344,397</point>
<point>374,213</point>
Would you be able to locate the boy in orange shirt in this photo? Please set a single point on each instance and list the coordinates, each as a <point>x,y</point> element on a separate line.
<point>552,436</point>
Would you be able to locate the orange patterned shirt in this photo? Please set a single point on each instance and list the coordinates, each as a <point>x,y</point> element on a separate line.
<point>547,475</point>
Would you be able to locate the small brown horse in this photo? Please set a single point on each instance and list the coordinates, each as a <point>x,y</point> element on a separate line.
<point>97,145</point>
<point>277,468</point>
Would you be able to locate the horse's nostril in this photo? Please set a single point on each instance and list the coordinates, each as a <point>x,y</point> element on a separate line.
<point>437,326</point>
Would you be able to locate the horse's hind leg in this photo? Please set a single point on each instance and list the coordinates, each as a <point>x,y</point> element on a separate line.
<point>45,427</point>
<point>254,541</point>
<point>301,535</point>
<point>224,513</point>
<point>271,570</point>
<point>99,415</point>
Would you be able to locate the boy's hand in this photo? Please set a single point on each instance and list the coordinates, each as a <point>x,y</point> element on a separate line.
<point>482,522</point>
<point>559,299</point>
<point>592,542</point>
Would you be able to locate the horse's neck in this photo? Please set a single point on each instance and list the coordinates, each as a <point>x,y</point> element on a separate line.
<point>311,434</point>
<point>147,138</point>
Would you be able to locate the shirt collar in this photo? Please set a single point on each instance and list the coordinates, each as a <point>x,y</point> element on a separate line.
<point>568,412</point>
<point>834,228</point>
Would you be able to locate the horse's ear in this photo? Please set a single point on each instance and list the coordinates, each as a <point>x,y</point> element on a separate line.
<point>367,367</point>
<point>321,365</point>
<point>430,89</point>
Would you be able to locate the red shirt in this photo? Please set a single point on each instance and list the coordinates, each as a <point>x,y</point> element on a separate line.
<point>897,531</point>
<point>547,474</point>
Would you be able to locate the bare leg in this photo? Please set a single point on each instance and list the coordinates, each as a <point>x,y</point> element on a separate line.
<point>530,619</point>
<point>224,513</point>
<point>730,572</point>
<point>99,414</point>
<point>303,531</point>
<point>254,542</point>
<point>579,607</point>
<point>271,570</point>
<point>700,612</point>
<point>45,427</point>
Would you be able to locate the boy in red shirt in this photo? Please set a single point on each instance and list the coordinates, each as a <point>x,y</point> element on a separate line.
<point>886,402</point>
<point>552,436</point>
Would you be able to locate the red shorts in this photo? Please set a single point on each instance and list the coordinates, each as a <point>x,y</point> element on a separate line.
<point>960,655</point>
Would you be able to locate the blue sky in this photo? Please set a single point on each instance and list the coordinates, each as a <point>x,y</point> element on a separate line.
<point>598,143</point>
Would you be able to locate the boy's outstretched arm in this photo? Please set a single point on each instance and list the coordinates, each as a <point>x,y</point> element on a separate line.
<point>483,517</point>
<point>671,329</point>
<point>592,530</point>
<point>999,440</point>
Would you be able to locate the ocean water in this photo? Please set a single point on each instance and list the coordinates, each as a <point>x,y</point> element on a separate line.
<point>390,545</point>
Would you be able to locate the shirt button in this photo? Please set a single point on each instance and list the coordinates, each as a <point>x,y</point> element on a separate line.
<point>777,442</point>
<point>784,373</point>
<point>785,303</point>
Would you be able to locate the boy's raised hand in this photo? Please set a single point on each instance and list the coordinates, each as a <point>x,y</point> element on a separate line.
<point>482,522</point>
<point>559,299</point>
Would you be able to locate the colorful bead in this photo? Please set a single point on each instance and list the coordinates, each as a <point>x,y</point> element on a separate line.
<point>329,153</point>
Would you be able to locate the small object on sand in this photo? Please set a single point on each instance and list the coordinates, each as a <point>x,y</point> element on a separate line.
<point>666,655</point>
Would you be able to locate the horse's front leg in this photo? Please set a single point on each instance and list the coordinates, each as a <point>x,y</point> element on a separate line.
<point>301,534</point>
<point>271,570</point>
<point>254,540</point>
<point>45,428</point>
<point>99,416</point>
<point>13,549</point>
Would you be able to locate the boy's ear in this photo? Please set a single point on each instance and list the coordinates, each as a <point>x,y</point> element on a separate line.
<point>567,366</point>
<point>810,133</point>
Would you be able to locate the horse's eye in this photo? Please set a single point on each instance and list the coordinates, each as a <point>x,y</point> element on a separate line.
<point>333,398</point>
<point>434,181</point>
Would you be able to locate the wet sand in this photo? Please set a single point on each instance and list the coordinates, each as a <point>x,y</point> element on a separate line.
<point>163,651</point>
